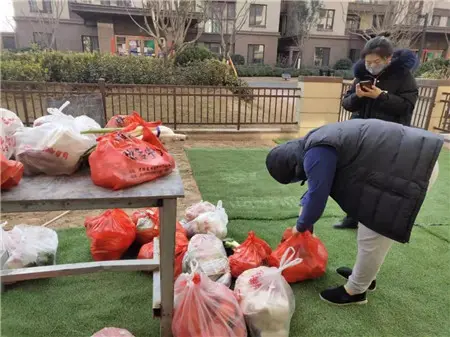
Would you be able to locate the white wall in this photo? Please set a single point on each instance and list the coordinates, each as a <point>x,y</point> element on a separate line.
<point>272,15</point>
<point>22,8</point>
<point>340,18</point>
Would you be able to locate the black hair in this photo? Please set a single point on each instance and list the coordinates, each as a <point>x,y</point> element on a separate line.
<point>380,46</point>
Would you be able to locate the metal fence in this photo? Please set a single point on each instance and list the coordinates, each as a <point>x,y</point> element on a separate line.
<point>189,106</point>
<point>422,111</point>
<point>444,122</point>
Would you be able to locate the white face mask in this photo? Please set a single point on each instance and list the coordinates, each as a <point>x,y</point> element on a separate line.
<point>375,70</point>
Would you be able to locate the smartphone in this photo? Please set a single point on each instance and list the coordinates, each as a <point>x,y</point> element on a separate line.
<point>365,85</point>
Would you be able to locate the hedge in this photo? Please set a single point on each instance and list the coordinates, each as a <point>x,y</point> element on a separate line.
<point>89,67</point>
<point>435,69</point>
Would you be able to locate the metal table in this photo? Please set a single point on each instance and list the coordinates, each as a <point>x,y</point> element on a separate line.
<point>77,192</point>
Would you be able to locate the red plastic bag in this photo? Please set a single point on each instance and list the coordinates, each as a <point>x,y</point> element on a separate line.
<point>111,234</point>
<point>204,308</point>
<point>181,246</point>
<point>121,160</point>
<point>11,173</point>
<point>112,332</point>
<point>250,254</point>
<point>122,121</point>
<point>147,224</point>
<point>307,247</point>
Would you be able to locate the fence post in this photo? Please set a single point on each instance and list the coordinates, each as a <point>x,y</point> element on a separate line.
<point>101,85</point>
<point>25,107</point>
<point>175,107</point>
<point>239,112</point>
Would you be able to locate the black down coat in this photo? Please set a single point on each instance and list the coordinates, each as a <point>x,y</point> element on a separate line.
<point>397,79</point>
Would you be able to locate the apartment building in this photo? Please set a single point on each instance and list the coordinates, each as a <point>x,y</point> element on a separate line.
<point>106,26</point>
<point>340,26</point>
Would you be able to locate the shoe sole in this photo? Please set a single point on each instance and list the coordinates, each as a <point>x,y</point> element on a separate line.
<point>343,304</point>
<point>347,279</point>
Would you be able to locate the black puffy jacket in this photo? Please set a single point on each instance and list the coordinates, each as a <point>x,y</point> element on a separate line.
<point>382,173</point>
<point>397,79</point>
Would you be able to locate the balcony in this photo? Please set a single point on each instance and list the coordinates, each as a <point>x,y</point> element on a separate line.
<point>91,7</point>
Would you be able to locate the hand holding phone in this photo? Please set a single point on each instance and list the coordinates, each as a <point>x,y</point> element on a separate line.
<point>366,85</point>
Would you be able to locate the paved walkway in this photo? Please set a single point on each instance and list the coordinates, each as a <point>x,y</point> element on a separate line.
<point>270,82</point>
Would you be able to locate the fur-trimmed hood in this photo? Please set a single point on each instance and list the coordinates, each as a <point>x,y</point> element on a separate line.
<point>401,59</point>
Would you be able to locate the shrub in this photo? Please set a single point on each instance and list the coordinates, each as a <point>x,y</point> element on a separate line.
<point>19,71</point>
<point>343,64</point>
<point>192,54</point>
<point>238,59</point>
<point>435,69</point>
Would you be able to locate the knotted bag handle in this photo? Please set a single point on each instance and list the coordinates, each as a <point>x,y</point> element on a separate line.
<point>287,260</point>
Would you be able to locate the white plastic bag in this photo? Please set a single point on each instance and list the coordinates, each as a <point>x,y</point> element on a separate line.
<point>266,299</point>
<point>212,222</point>
<point>211,257</point>
<point>53,148</point>
<point>30,246</point>
<point>112,332</point>
<point>9,124</point>
<point>196,209</point>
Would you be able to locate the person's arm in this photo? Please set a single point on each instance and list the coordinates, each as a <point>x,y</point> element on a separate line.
<point>320,166</point>
<point>351,102</point>
<point>403,101</point>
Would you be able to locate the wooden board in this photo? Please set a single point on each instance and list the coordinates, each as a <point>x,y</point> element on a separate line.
<point>14,275</point>
<point>78,192</point>
<point>90,105</point>
<point>156,281</point>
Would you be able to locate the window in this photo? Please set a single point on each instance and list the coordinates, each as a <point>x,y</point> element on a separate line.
<point>353,22</point>
<point>377,21</point>
<point>255,54</point>
<point>448,21</point>
<point>90,43</point>
<point>43,40</point>
<point>257,15</point>
<point>9,42</point>
<point>231,10</point>
<point>436,20</point>
<point>354,55</point>
<point>214,47</point>
<point>124,3</point>
<point>326,19</point>
<point>105,2</point>
<point>322,57</point>
<point>213,26</point>
<point>40,6</point>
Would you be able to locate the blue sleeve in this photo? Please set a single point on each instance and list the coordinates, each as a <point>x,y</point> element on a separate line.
<point>320,166</point>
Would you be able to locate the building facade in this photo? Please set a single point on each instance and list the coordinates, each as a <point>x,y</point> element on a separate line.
<point>106,26</point>
<point>338,30</point>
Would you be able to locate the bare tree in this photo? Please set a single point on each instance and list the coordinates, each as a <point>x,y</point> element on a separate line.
<point>399,20</point>
<point>302,17</point>
<point>172,20</point>
<point>227,20</point>
<point>46,23</point>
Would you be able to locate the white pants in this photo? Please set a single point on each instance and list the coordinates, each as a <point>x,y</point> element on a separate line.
<point>372,249</point>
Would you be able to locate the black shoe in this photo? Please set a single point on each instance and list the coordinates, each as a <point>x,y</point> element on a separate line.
<point>338,296</point>
<point>347,223</point>
<point>346,272</point>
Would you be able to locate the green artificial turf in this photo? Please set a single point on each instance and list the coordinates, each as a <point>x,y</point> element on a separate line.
<point>78,306</point>
<point>410,300</point>
<point>240,179</point>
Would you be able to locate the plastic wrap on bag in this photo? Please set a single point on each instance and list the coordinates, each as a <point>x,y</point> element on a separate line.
<point>309,248</point>
<point>11,173</point>
<point>203,308</point>
<point>213,222</point>
<point>111,234</point>
<point>9,124</point>
<point>252,253</point>
<point>29,246</point>
<point>113,332</point>
<point>266,299</point>
<point>211,257</point>
<point>122,121</point>
<point>196,209</point>
<point>55,147</point>
<point>121,160</point>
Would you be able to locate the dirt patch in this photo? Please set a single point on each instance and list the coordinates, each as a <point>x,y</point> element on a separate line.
<point>177,149</point>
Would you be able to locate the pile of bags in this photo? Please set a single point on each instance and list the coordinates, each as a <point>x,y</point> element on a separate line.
<point>204,217</point>
<point>54,145</point>
<point>11,170</point>
<point>29,246</point>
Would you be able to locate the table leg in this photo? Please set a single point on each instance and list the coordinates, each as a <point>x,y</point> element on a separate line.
<point>168,220</point>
